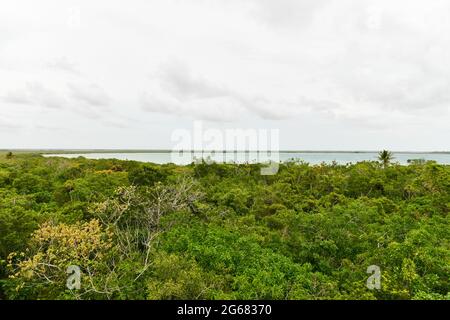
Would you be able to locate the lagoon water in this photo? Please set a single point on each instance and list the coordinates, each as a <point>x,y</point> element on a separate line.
<point>187,157</point>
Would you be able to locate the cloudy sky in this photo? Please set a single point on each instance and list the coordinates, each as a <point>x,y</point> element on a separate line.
<point>329,74</point>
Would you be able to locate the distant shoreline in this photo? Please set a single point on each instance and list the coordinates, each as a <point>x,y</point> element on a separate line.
<point>91,151</point>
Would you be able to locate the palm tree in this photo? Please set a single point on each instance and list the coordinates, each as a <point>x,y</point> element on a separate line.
<point>385,157</point>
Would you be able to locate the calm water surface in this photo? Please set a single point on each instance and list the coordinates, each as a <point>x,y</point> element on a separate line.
<point>254,157</point>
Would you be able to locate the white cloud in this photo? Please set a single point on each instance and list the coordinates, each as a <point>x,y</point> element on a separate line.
<point>307,66</point>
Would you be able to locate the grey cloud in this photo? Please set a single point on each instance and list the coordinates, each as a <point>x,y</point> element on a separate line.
<point>8,125</point>
<point>407,84</point>
<point>179,80</point>
<point>35,93</point>
<point>184,93</point>
<point>213,109</point>
<point>286,13</point>
<point>64,64</point>
<point>89,101</point>
<point>281,109</point>
<point>18,97</point>
<point>152,103</point>
<point>92,95</point>
<point>269,109</point>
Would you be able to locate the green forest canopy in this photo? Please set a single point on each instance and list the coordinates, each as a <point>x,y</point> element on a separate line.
<point>222,231</point>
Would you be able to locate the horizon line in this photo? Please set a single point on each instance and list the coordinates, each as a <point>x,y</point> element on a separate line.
<point>139,150</point>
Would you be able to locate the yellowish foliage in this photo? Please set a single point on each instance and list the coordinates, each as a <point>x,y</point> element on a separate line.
<point>55,247</point>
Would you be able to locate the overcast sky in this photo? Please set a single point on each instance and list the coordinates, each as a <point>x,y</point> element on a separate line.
<point>336,75</point>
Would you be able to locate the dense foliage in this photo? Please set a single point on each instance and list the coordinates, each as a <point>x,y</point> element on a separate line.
<point>222,231</point>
